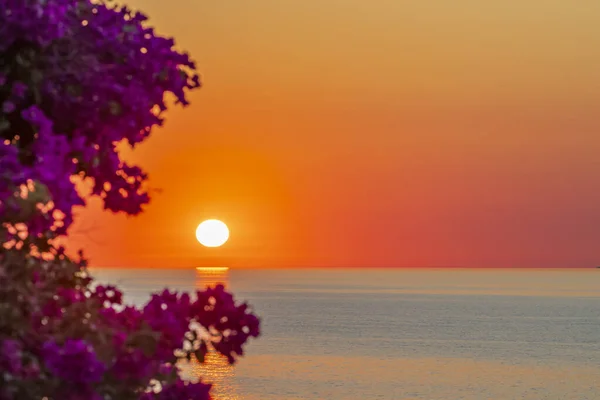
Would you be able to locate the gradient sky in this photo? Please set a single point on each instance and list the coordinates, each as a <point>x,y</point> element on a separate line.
<point>380,133</point>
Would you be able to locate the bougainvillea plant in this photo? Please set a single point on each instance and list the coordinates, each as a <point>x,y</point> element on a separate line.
<point>78,79</point>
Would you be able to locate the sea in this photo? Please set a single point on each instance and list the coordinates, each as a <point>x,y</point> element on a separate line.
<point>345,334</point>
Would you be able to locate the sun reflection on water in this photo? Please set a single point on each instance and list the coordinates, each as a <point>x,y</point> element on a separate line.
<point>211,276</point>
<point>215,369</point>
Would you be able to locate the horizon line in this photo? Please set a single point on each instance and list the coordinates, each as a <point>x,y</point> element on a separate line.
<point>224,268</point>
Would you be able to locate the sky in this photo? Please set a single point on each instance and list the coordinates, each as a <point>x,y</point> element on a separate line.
<point>387,133</point>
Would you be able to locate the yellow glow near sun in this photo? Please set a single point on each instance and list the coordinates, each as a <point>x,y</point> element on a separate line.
<point>212,233</point>
<point>212,269</point>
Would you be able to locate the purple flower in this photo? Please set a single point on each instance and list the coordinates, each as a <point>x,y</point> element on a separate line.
<point>75,361</point>
<point>168,313</point>
<point>19,90</point>
<point>215,309</point>
<point>108,294</point>
<point>84,116</point>
<point>37,118</point>
<point>10,356</point>
<point>8,107</point>
<point>132,365</point>
<point>71,119</point>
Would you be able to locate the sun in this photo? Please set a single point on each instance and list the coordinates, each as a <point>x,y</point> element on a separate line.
<point>212,233</point>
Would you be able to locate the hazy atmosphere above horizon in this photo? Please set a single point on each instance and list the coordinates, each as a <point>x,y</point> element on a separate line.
<point>384,133</point>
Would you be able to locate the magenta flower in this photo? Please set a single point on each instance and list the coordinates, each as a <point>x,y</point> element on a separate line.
<point>75,361</point>
<point>78,118</point>
<point>19,89</point>
<point>10,356</point>
<point>132,365</point>
<point>8,107</point>
<point>108,295</point>
<point>79,77</point>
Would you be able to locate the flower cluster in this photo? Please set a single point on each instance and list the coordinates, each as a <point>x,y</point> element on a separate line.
<point>10,357</point>
<point>75,361</point>
<point>78,79</point>
<point>65,336</point>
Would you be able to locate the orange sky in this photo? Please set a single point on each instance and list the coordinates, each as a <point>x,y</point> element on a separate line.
<point>381,133</point>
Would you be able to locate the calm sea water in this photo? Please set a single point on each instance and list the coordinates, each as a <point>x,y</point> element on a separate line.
<point>344,334</point>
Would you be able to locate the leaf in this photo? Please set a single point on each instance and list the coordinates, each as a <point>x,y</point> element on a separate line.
<point>145,341</point>
<point>36,76</point>
<point>4,124</point>
<point>200,355</point>
<point>163,75</point>
<point>74,90</point>
<point>129,28</point>
<point>114,108</point>
<point>201,352</point>
<point>21,61</point>
<point>37,95</point>
<point>40,194</point>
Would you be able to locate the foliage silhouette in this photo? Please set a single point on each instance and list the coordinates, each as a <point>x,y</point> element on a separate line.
<point>78,78</point>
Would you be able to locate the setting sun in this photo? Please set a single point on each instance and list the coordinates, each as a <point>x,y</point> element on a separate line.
<point>212,233</point>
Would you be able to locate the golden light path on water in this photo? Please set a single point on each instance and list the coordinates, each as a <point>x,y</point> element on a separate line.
<point>215,369</point>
